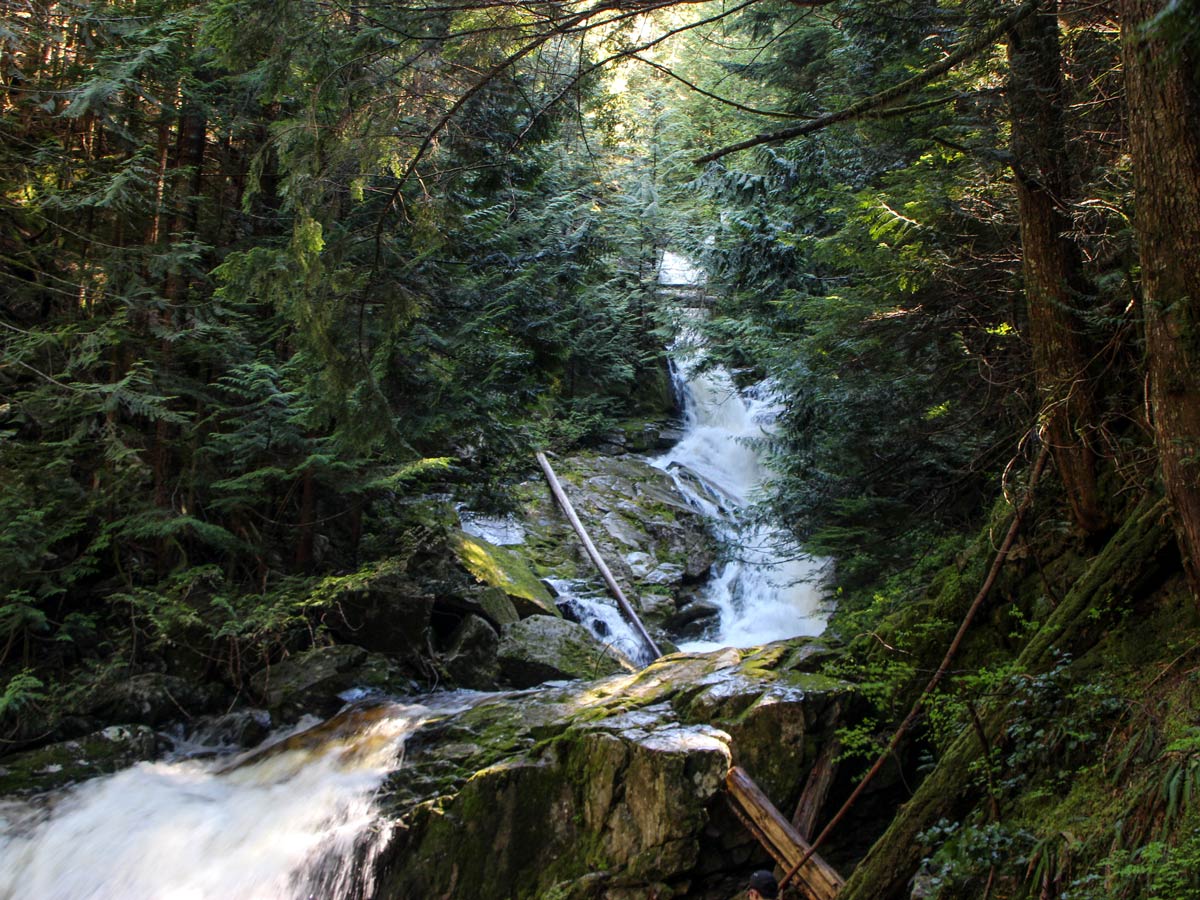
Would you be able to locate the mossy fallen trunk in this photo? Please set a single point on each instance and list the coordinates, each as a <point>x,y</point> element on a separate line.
<point>1131,561</point>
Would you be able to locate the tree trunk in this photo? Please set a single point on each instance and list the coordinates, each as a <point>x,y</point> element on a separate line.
<point>1163,93</point>
<point>1052,261</point>
<point>308,516</point>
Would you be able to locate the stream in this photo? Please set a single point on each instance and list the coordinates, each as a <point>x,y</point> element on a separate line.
<point>297,816</point>
<point>292,818</point>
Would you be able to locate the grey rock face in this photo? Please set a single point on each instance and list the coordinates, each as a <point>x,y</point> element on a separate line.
<point>542,648</point>
<point>606,789</point>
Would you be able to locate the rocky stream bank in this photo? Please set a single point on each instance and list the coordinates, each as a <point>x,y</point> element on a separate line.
<point>556,767</point>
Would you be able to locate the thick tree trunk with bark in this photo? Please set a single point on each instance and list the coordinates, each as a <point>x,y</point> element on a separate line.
<point>1163,89</point>
<point>1054,285</point>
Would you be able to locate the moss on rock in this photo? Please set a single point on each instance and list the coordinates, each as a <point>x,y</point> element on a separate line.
<point>504,568</point>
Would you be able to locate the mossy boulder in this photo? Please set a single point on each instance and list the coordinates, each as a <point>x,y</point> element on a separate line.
<point>506,569</point>
<point>609,788</point>
<point>543,648</point>
<point>100,753</point>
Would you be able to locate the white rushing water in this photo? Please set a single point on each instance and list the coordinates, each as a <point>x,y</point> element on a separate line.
<point>296,819</point>
<point>593,608</point>
<point>765,588</point>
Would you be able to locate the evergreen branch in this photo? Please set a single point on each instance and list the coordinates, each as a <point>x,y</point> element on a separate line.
<point>872,105</point>
<point>626,53</point>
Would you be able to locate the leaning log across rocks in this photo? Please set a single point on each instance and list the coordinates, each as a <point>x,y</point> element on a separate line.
<point>623,604</point>
<point>818,879</point>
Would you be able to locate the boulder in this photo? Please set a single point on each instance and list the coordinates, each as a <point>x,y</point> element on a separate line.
<point>150,698</point>
<point>312,681</point>
<point>607,789</point>
<point>542,648</point>
<point>693,617</point>
<point>390,614</point>
<point>100,753</point>
<point>506,569</point>
<point>470,660</point>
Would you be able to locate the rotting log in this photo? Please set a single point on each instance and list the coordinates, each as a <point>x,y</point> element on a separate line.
<point>816,790</point>
<point>627,610</point>
<point>1132,560</point>
<point>816,878</point>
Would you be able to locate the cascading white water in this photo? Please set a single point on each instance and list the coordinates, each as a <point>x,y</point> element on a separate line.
<point>296,819</point>
<point>765,588</point>
<point>595,610</point>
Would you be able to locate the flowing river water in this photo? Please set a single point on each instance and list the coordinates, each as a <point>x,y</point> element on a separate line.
<point>297,817</point>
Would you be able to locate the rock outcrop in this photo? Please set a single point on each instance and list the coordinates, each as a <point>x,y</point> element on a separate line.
<point>606,789</point>
<point>67,762</point>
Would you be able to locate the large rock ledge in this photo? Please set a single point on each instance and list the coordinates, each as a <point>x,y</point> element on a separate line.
<point>608,789</point>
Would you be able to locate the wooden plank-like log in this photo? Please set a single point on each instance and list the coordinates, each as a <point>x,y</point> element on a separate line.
<point>816,791</point>
<point>816,878</point>
<point>627,611</point>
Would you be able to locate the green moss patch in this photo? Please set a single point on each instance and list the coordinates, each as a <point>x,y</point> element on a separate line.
<point>505,569</point>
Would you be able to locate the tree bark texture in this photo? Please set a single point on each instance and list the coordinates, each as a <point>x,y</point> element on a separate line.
<point>1163,93</point>
<point>1052,262</point>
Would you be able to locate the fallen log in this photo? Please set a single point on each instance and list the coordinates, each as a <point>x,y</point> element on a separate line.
<point>816,791</point>
<point>627,611</point>
<point>816,878</point>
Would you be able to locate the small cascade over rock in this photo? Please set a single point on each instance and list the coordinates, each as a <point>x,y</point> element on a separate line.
<point>765,588</point>
<point>294,818</point>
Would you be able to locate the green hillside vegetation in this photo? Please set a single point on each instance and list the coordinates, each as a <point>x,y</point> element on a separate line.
<point>279,277</point>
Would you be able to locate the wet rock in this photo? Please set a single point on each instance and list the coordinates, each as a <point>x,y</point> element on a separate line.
<point>643,527</point>
<point>67,762</point>
<point>623,530</point>
<point>541,649</point>
<point>650,437</point>
<point>693,617</point>
<point>243,728</point>
<point>311,682</point>
<point>150,698</point>
<point>471,659</point>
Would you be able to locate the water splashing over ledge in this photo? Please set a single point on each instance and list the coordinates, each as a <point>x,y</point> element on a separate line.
<point>766,589</point>
<point>293,818</point>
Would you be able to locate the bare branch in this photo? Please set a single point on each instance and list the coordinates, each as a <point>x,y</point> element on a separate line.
<point>725,100</point>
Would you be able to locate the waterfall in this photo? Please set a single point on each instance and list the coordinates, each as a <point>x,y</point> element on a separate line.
<point>295,818</point>
<point>766,589</point>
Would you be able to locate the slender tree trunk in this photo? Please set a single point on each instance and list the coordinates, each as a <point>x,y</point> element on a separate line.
<point>1052,261</point>
<point>304,546</point>
<point>1162,85</point>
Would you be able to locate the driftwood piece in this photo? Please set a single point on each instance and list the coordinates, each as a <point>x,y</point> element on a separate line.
<point>816,791</point>
<point>627,611</point>
<point>816,878</point>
